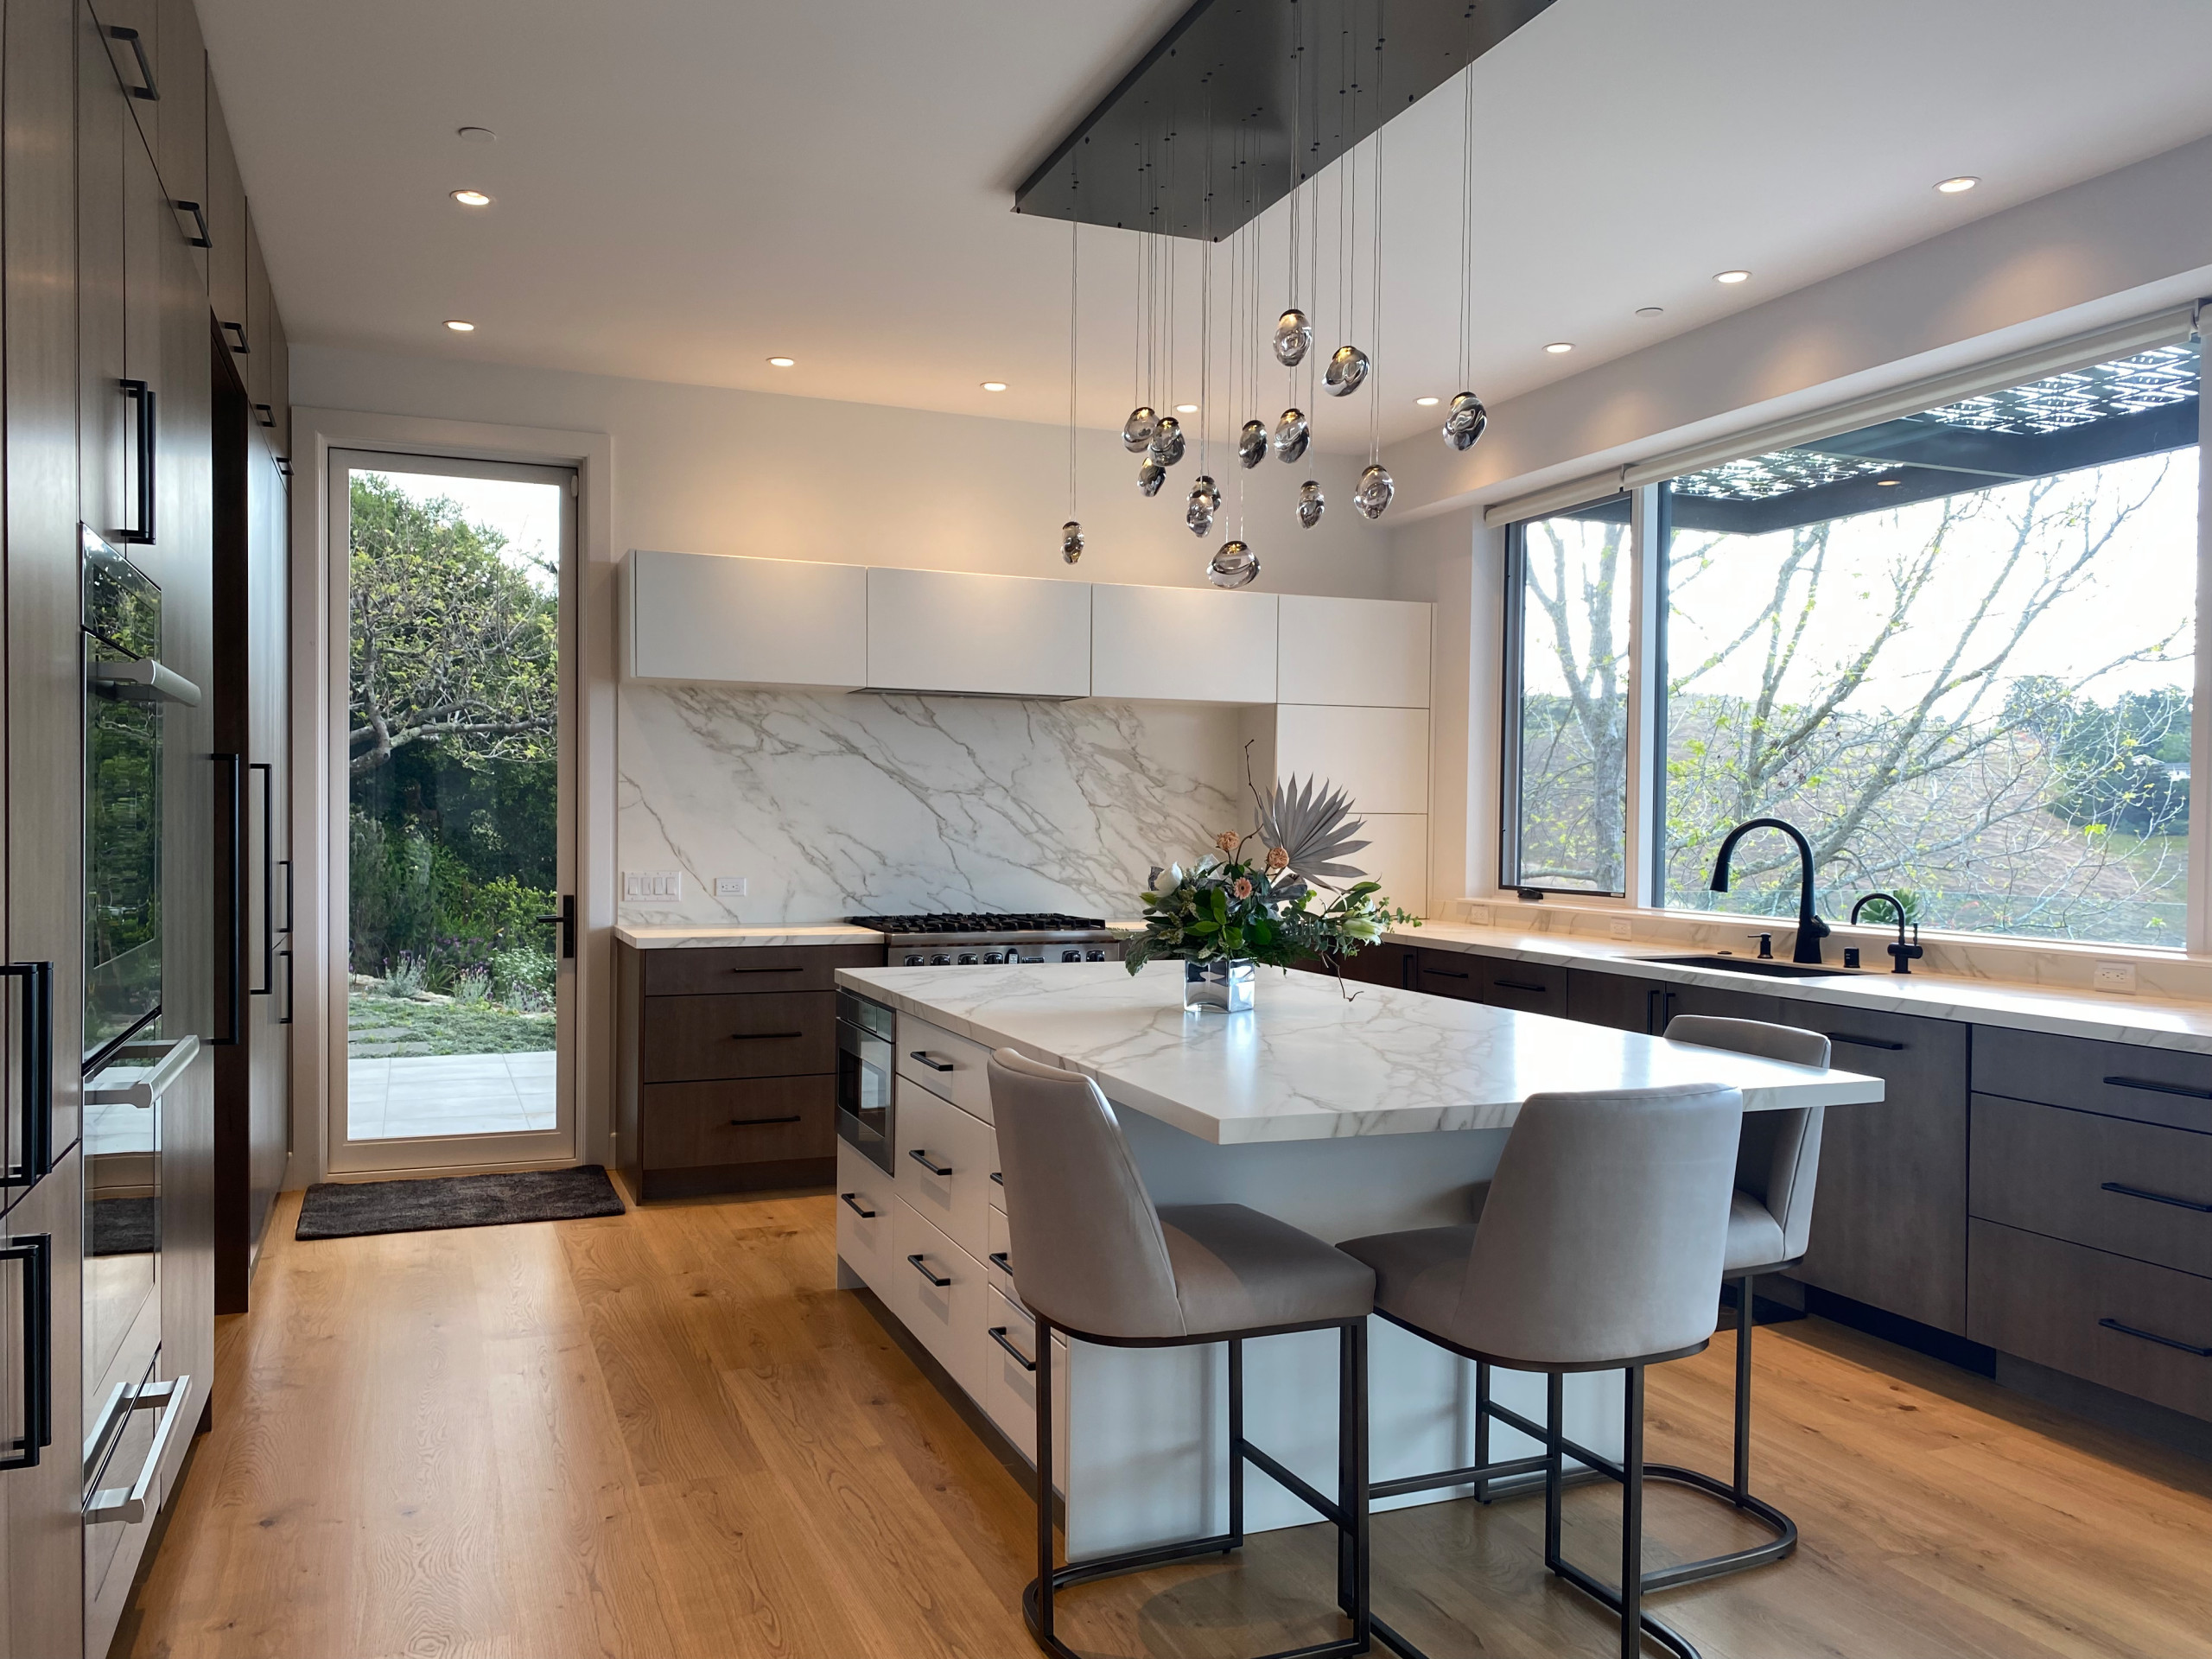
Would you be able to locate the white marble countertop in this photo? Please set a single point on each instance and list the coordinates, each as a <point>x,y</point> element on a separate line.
<point>2153,1022</point>
<point>1307,1064</point>
<point>704,937</point>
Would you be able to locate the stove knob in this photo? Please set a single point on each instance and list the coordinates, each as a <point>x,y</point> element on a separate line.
<point>1072,955</point>
<point>940,960</point>
<point>967,958</point>
<point>1094,955</point>
<point>994,957</point>
<point>913,960</point>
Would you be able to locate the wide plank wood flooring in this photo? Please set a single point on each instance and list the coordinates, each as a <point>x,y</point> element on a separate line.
<point>669,1433</point>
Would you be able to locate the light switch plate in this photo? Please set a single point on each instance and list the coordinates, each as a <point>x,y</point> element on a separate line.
<point>729,886</point>
<point>2118,978</point>
<point>653,883</point>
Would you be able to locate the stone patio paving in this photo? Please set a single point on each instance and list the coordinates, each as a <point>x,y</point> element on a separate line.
<point>392,1097</point>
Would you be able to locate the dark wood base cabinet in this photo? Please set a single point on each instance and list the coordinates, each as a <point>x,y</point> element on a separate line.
<point>726,1065</point>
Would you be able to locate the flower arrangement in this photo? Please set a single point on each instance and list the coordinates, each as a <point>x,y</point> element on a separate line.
<point>1254,897</point>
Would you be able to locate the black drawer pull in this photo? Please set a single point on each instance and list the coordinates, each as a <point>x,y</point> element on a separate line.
<point>763,1036</point>
<point>2159,1088</point>
<point>997,1258</point>
<point>36,1252</point>
<point>1521,985</point>
<point>145,89</point>
<point>934,1065</point>
<point>923,1267</point>
<point>2152,1336</point>
<point>2156,1198</point>
<point>998,1176</point>
<point>854,1199</point>
<point>997,1333</point>
<point>747,1122</point>
<point>922,1158</point>
<point>238,337</point>
<point>1446,973</point>
<point>1864,1042</point>
<point>202,240</point>
<point>764,970</point>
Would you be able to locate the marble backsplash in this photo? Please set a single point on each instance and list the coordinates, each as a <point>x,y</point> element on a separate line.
<point>848,805</point>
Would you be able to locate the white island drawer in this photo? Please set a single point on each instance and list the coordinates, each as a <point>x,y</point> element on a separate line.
<point>864,1200</point>
<point>944,1299</point>
<point>946,1159</point>
<point>945,1064</point>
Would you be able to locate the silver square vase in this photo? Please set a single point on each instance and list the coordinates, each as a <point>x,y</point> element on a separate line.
<point>1222,986</point>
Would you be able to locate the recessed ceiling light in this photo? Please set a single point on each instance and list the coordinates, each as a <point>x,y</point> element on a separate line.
<point>1428,403</point>
<point>994,385</point>
<point>475,135</point>
<point>459,326</point>
<point>471,198</point>
<point>1959,185</point>
<point>1648,312</point>
<point>1732,277</point>
<point>781,362</point>
<point>1181,408</point>
<point>1559,347</point>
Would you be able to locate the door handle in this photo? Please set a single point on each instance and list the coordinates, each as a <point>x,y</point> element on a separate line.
<point>920,1156</point>
<point>145,89</point>
<point>934,1065</point>
<point>285,1019</point>
<point>201,239</point>
<point>36,1252</point>
<point>997,1333</point>
<point>131,1507</point>
<point>566,919</point>
<point>140,394</point>
<point>853,1202</point>
<point>37,1159</point>
<point>285,865</point>
<point>234,856</point>
<point>927,1272</point>
<point>267,877</point>
<point>239,347</point>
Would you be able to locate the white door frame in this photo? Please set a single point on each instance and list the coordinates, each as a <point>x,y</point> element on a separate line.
<point>319,590</point>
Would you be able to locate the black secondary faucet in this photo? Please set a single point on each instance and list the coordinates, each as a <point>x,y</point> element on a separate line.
<point>1901,953</point>
<point>1811,929</point>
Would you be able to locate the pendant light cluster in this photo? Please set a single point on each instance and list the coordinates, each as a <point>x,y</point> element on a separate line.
<point>1159,439</point>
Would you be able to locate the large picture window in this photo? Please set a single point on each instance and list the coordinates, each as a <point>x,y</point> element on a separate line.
<point>1957,649</point>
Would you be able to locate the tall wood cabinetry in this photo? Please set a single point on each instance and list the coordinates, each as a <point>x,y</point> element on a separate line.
<point>125,1167</point>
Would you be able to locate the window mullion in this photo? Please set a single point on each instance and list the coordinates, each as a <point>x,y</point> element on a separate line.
<point>1646,741</point>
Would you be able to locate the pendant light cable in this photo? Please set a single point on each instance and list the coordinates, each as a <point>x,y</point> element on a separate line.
<point>1467,229</point>
<point>1375,264</point>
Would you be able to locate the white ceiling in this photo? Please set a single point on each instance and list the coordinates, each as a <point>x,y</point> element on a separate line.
<point>685,188</point>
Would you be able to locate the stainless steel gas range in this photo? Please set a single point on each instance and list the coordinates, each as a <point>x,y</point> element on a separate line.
<point>957,940</point>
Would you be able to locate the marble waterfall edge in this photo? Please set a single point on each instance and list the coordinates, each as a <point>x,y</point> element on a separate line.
<point>831,805</point>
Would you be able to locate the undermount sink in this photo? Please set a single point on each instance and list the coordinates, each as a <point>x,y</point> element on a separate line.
<point>1765,965</point>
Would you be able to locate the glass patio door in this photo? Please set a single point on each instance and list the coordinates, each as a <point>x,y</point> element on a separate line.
<point>456,853</point>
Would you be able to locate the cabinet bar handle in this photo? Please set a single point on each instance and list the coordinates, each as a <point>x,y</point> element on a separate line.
<point>202,240</point>
<point>268,771</point>
<point>142,395</point>
<point>763,1036</point>
<point>930,1060</point>
<point>2152,1336</point>
<point>147,90</point>
<point>998,1176</point>
<point>854,1200</point>
<point>37,1072</point>
<point>920,1156</point>
<point>238,337</point>
<point>1521,985</point>
<point>1444,973</point>
<point>133,1506</point>
<point>997,1333</point>
<point>232,793</point>
<point>998,1260</point>
<point>2126,1191</point>
<point>923,1267</point>
<point>761,971</point>
<point>2159,1088</point>
<point>747,1122</point>
<point>36,1252</point>
<point>264,414</point>
<point>1864,1042</point>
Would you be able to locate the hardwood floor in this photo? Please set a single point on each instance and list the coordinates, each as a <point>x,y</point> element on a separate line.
<point>669,1433</point>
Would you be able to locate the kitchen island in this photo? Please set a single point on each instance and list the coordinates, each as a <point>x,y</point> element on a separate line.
<point>1341,1115</point>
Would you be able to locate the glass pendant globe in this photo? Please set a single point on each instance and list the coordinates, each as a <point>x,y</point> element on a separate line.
<point>1150,476</point>
<point>1233,565</point>
<point>1071,541</point>
<point>1199,510</point>
<point>1293,338</point>
<point>1292,435</point>
<point>1466,421</point>
<point>1374,492</point>
<point>1166,445</point>
<point>1310,502</point>
<point>1136,431</point>
<point>1252,443</point>
<point>1347,370</point>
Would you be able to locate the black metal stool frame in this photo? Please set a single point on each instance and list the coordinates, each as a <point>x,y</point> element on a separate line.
<point>1348,1512</point>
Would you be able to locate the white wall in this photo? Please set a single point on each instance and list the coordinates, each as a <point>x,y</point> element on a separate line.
<point>698,469</point>
<point>1434,561</point>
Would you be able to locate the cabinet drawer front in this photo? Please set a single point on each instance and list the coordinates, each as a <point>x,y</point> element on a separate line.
<point>2152,1085</point>
<point>1009,1386</point>
<point>2127,1325</point>
<point>944,1162</point>
<point>689,1039</point>
<point>2134,1188</point>
<point>1532,987</point>
<point>950,1067</point>
<point>866,1197</point>
<point>947,1318</point>
<point>1449,973</point>
<point>690,1125</point>
<point>794,967</point>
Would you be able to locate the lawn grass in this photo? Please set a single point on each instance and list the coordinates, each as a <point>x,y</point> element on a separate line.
<point>444,1027</point>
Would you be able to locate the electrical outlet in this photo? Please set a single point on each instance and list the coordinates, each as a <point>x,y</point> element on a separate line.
<point>1478,915</point>
<point>1623,928</point>
<point>729,886</point>
<point>2118,978</point>
<point>653,883</point>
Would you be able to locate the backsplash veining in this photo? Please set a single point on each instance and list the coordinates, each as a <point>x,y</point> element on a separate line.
<point>848,804</point>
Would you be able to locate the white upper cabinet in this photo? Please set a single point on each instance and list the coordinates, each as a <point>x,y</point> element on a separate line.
<point>1378,756</point>
<point>1182,645</point>
<point>697,616</point>
<point>1371,652</point>
<point>988,636</point>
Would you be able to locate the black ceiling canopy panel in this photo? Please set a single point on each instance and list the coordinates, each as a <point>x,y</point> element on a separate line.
<point>1210,109</point>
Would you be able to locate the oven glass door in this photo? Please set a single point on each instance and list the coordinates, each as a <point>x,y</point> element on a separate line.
<point>864,1067</point>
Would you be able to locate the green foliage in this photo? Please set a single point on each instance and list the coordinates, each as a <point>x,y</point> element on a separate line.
<point>450,1027</point>
<point>2116,764</point>
<point>1226,906</point>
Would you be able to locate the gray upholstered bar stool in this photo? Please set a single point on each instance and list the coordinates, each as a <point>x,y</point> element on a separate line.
<point>1769,1223</point>
<point>1600,1240</point>
<point>1100,1263</point>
